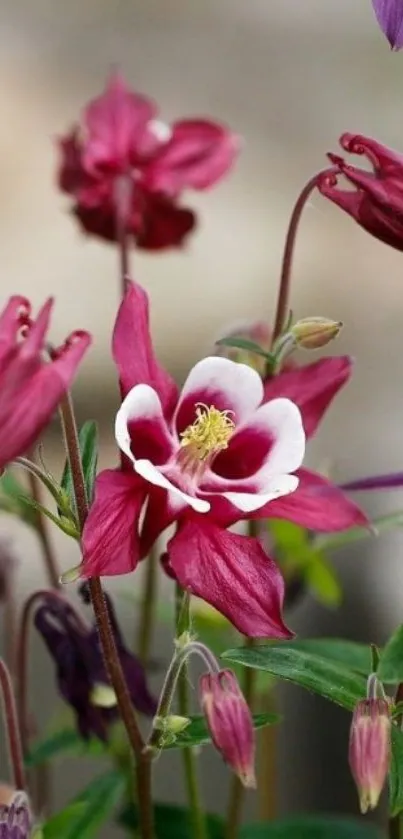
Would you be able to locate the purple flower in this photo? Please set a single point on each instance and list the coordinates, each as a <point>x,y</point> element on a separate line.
<point>80,670</point>
<point>389,14</point>
<point>15,818</point>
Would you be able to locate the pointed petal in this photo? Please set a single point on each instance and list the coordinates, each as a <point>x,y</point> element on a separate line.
<point>312,387</point>
<point>164,224</point>
<point>226,385</point>
<point>318,505</point>
<point>389,14</point>
<point>233,574</point>
<point>110,540</point>
<point>198,154</point>
<point>133,351</point>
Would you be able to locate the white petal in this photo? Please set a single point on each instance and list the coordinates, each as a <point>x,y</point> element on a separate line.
<point>225,384</point>
<point>161,130</point>
<point>150,473</point>
<point>249,502</point>
<point>282,419</point>
<point>142,401</point>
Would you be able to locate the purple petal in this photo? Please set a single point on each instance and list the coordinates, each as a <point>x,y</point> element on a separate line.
<point>389,14</point>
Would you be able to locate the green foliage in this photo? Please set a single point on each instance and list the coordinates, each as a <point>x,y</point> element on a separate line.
<point>390,667</point>
<point>93,806</point>
<point>61,743</point>
<point>356,534</point>
<point>309,670</point>
<point>88,440</point>
<point>352,655</point>
<point>14,499</point>
<point>310,827</point>
<point>196,733</point>
<point>172,822</point>
<point>396,773</point>
<point>300,558</point>
<point>244,344</point>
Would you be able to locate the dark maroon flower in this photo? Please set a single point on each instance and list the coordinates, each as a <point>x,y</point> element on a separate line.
<point>16,818</point>
<point>376,202</point>
<point>125,169</point>
<point>389,14</point>
<point>80,670</point>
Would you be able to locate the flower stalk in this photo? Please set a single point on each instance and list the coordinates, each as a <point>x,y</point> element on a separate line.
<point>42,530</point>
<point>12,729</point>
<point>111,658</point>
<point>285,276</point>
<point>147,609</point>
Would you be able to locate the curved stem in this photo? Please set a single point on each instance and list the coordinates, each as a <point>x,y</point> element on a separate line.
<point>285,276</point>
<point>110,654</point>
<point>12,728</point>
<point>199,830</point>
<point>43,534</point>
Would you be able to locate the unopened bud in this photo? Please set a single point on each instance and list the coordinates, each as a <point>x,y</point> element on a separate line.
<point>314,333</point>
<point>369,749</point>
<point>230,722</point>
<point>16,818</point>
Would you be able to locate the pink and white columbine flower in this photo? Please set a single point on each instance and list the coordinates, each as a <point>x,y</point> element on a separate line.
<point>221,451</point>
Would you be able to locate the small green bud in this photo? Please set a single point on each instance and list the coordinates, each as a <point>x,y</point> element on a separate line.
<point>316,332</point>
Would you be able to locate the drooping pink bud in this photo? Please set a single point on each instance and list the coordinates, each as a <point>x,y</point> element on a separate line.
<point>369,749</point>
<point>230,722</point>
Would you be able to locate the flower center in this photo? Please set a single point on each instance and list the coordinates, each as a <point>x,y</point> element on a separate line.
<point>209,433</point>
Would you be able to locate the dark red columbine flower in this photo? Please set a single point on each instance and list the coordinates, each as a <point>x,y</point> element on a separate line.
<point>30,386</point>
<point>376,202</point>
<point>125,168</point>
<point>226,449</point>
<point>80,670</point>
<point>389,14</point>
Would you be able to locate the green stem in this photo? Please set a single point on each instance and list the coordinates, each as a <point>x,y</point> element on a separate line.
<point>11,726</point>
<point>146,624</point>
<point>111,658</point>
<point>42,530</point>
<point>394,827</point>
<point>199,829</point>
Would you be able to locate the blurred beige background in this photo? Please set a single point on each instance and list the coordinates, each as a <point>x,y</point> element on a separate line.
<point>290,77</point>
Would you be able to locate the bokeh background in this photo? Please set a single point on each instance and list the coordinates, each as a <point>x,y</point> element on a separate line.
<point>290,77</point>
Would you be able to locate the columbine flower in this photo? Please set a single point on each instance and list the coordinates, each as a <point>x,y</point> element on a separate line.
<point>218,453</point>
<point>376,203</point>
<point>389,14</point>
<point>370,746</point>
<point>30,387</point>
<point>230,722</point>
<point>126,169</point>
<point>80,671</point>
<point>16,818</point>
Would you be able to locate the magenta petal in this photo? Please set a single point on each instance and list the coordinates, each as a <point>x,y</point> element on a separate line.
<point>110,540</point>
<point>312,387</point>
<point>233,574</point>
<point>198,154</point>
<point>133,351</point>
<point>389,14</point>
<point>316,504</point>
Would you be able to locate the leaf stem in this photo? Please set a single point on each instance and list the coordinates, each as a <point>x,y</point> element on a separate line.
<point>42,530</point>
<point>12,728</point>
<point>199,829</point>
<point>110,654</point>
<point>285,276</point>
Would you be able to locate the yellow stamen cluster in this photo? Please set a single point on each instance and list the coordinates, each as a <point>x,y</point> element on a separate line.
<point>209,433</point>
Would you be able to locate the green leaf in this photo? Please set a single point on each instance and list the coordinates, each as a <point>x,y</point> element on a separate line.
<point>61,743</point>
<point>310,827</point>
<point>63,523</point>
<point>88,440</point>
<point>396,773</point>
<point>352,655</point>
<point>356,534</point>
<point>196,733</point>
<point>299,557</point>
<point>99,798</point>
<point>390,668</point>
<point>15,500</point>
<point>172,822</point>
<point>56,827</point>
<point>244,344</point>
<point>309,670</point>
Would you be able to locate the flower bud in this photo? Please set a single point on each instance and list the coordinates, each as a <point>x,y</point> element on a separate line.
<point>230,722</point>
<point>16,818</point>
<point>314,333</point>
<point>369,749</point>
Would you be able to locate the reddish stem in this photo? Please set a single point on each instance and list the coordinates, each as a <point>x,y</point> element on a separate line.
<point>12,728</point>
<point>285,277</point>
<point>110,654</point>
